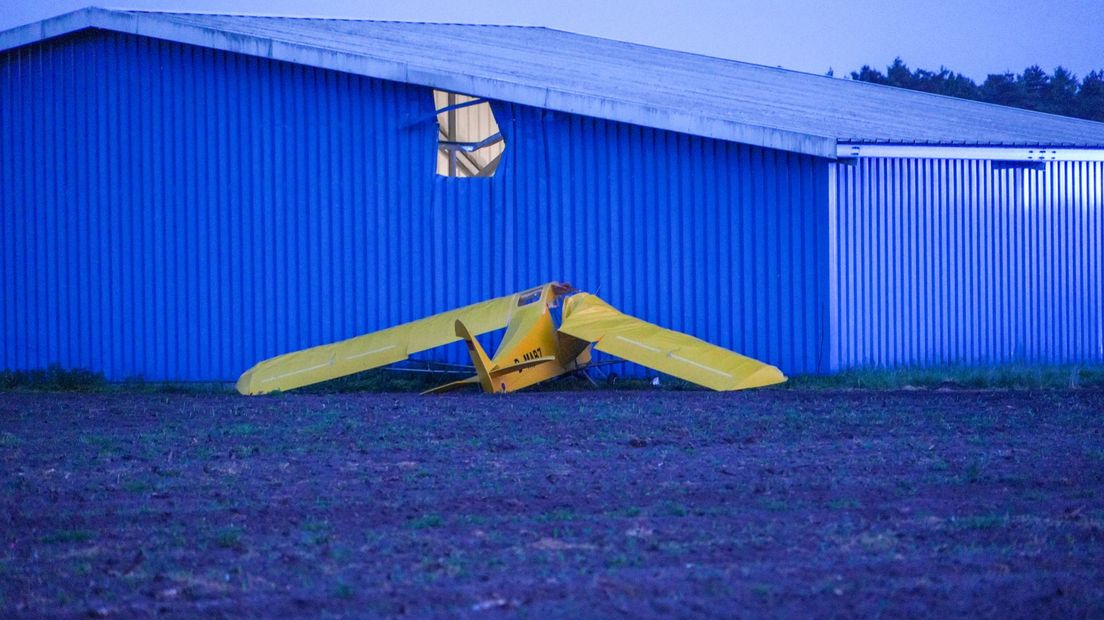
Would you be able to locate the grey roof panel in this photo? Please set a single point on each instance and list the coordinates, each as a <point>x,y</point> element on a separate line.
<point>609,79</point>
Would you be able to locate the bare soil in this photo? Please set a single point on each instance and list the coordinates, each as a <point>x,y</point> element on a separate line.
<point>610,504</point>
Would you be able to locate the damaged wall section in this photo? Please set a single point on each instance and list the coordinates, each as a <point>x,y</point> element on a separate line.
<point>469,143</point>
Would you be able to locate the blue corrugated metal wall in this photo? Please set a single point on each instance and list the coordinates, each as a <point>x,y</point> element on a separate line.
<point>945,261</point>
<point>180,213</point>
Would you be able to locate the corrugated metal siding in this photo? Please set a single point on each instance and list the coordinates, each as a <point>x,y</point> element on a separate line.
<point>181,213</point>
<point>942,261</point>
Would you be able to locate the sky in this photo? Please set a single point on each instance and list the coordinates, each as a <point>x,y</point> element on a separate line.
<point>974,37</point>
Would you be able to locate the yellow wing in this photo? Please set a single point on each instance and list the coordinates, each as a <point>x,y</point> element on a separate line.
<point>339,359</point>
<point>588,317</point>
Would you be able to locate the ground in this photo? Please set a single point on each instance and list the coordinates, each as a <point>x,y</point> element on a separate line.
<point>767,502</point>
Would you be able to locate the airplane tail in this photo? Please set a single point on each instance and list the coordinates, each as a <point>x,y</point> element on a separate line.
<point>482,363</point>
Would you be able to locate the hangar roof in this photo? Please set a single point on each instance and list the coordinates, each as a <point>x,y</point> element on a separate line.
<point>597,77</point>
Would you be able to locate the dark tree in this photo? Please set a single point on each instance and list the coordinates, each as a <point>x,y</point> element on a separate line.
<point>898,74</point>
<point>1090,97</point>
<point>1061,93</point>
<point>1034,89</point>
<point>1005,89</point>
<point>868,74</point>
<point>1035,85</point>
<point>945,82</point>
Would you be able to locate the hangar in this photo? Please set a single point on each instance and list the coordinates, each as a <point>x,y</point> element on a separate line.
<point>182,195</point>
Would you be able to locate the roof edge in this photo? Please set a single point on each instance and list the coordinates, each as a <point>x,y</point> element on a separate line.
<point>159,26</point>
<point>1042,153</point>
<point>47,28</point>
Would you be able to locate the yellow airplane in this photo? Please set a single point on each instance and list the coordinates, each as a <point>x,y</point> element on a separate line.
<point>532,350</point>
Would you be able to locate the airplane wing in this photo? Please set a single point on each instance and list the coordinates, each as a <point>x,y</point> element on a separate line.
<point>587,317</point>
<point>339,359</point>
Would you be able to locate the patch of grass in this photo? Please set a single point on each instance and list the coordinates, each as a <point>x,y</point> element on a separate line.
<point>844,503</point>
<point>982,522</point>
<point>415,476</point>
<point>137,486</point>
<point>105,446</point>
<point>343,591</point>
<point>67,537</point>
<point>243,429</point>
<point>622,560</point>
<point>795,420</point>
<point>475,520</point>
<point>53,378</point>
<point>317,532</point>
<point>323,422</point>
<point>139,384</point>
<point>425,522</point>
<point>243,452</point>
<point>340,553</point>
<point>675,509</point>
<point>998,376</point>
<point>629,511</point>
<point>558,514</point>
<point>177,387</point>
<point>775,505</point>
<point>973,471</point>
<point>230,538</point>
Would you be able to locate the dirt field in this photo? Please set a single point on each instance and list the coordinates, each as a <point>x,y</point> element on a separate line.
<point>775,502</point>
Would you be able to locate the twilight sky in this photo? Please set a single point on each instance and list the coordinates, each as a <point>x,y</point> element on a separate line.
<point>975,37</point>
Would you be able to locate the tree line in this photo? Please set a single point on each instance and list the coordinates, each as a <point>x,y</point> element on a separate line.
<point>1034,89</point>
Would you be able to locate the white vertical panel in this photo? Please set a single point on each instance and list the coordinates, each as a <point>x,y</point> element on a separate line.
<point>953,261</point>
